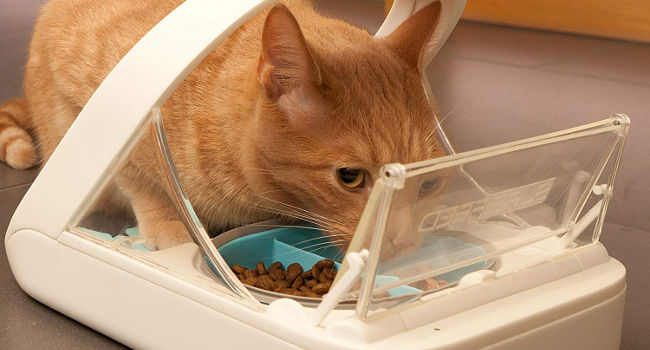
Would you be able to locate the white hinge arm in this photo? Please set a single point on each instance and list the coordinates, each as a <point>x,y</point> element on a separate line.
<point>586,220</point>
<point>356,265</point>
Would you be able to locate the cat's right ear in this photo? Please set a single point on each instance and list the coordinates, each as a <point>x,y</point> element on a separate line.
<point>409,40</point>
<point>286,64</point>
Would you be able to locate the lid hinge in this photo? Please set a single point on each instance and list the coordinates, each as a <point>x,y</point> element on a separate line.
<point>356,265</point>
<point>592,214</point>
<point>394,175</point>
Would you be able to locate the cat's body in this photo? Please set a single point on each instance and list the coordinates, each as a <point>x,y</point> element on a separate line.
<point>267,117</point>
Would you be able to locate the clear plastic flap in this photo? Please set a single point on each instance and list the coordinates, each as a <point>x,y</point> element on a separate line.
<point>142,195</point>
<point>428,224</point>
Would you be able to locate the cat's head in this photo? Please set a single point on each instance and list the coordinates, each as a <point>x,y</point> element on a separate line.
<point>336,104</point>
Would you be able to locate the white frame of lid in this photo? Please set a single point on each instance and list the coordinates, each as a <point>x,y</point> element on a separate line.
<point>139,85</point>
<point>369,234</point>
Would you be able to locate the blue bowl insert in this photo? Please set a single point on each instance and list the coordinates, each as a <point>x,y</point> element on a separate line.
<point>307,246</point>
<point>287,245</point>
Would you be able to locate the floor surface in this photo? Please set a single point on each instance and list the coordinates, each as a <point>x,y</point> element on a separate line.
<point>507,83</point>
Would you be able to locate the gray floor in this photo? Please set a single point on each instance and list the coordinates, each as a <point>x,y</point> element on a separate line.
<point>496,83</point>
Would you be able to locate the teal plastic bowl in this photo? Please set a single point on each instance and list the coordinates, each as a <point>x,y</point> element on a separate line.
<point>290,245</point>
<point>286,245</point>
<point>307,246</point>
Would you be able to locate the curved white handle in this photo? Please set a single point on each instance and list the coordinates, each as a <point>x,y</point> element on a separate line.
<point>143,79</point>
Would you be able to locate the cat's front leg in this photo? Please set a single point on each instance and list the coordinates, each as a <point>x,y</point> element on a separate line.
<point>158,222</point>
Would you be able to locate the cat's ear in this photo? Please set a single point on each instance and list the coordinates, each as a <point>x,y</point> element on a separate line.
<point>286,64</point>
<point>410,38</point>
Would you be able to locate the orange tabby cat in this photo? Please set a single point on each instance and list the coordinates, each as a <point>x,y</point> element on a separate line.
<point>294,109</point>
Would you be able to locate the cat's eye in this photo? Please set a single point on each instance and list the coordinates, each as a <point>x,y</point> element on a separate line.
<point>430,186</point>
<point>351,178</point>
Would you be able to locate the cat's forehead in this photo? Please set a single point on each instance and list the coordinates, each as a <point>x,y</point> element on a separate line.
<point>357,66</point>
<point>372,140</point>
<point>377,102</point>
<point>377,90</point>
<point>371,82</point>
<point>365,66</point>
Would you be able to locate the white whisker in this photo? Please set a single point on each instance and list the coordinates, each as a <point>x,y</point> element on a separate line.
<point>292,226</point>
<point>302,216</point>
<point>290,207</point>
<point>451,112</point>
<point>328,243</point>
<point>303,210</point>
<point>275,211</point>
<point>321,237</point>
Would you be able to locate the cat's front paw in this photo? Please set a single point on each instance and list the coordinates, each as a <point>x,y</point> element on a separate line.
<point>164,234</point>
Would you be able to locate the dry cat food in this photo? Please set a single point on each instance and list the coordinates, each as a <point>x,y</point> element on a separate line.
<point>293,281</point>
<point>429,284</point>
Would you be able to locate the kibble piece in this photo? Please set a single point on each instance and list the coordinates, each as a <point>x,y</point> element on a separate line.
<point>277,274</point>
<point>328,283</point>
<point>320,289</point>
<point>281,284</point>
<point>250,281</point>
<point>260,268</point>
<point>429,284</point>
<point>275,265</point>
<point>311,283</point>
<point>297,282</point>
<point>421,285</point>
<point>240,276</point>
<point>329,273</point>
<point>325,263</point>
<point>294,291</point>
<point>238,269</point>
<point>304,289</point>
<point>250,273</point>
<point>315,271</point>
<point>322,278</point>
<point>290,291</point>
<point>311,294</point>
<point>293,271</point>
<point>264,282</point>
<point>432,284</point>
<point>306,275</point>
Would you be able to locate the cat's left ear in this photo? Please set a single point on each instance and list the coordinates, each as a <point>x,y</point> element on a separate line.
<point>409,40</point>
<point>286,64</point>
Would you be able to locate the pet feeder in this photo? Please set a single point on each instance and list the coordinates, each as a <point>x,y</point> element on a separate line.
<point>514,229</point>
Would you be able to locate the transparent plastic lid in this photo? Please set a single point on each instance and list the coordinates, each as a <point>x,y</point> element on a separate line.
<point>428,224</point>
<point>141,195</point>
